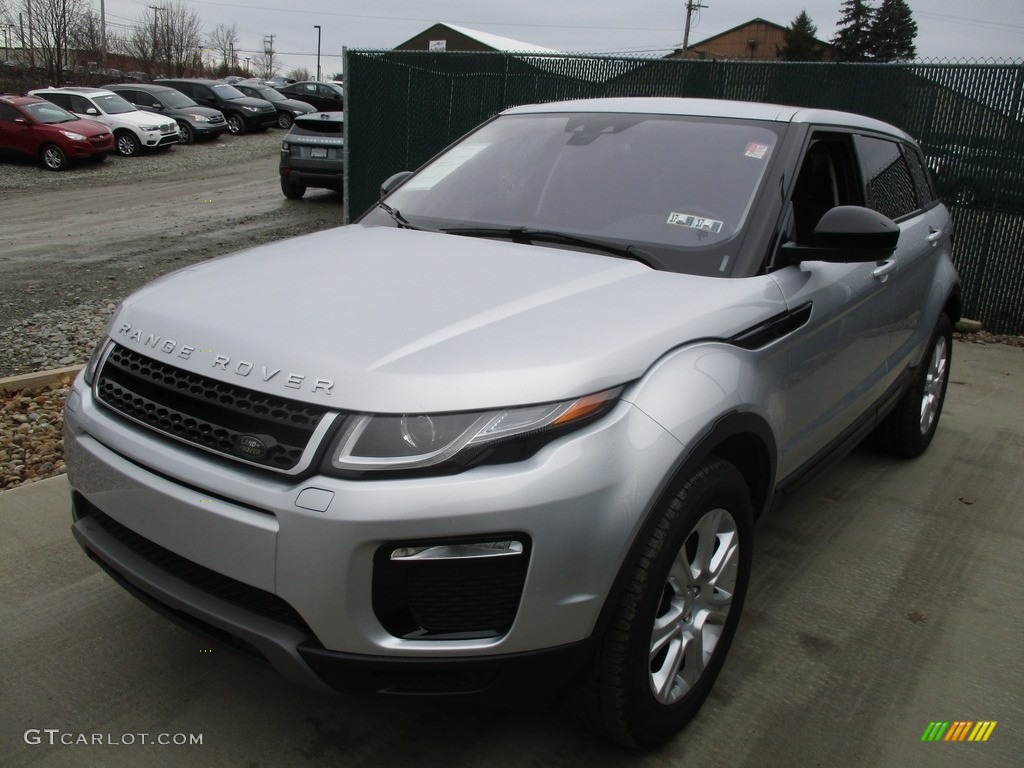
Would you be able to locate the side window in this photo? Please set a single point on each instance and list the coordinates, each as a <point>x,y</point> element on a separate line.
<point>8,114</point>
<point>827,178</point>
<point>60,99</point>
<point>81,105</point>
<point>922,179</point>
<point>889,185</point>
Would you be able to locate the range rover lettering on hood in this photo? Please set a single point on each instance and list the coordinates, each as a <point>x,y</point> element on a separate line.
<point>239,367</point>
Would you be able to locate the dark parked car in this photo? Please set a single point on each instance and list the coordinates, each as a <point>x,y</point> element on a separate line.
<point>35,127</point>
<point>312,154</point>
<point>195,123</point>
<point>971,178</point>
<point>243,113</point>
<point>324,96</point>
<point>287,109</point>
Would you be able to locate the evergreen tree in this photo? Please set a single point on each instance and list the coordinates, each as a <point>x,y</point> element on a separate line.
<point>853,39</point>
<point>800,41</point>
<point>893,32</point>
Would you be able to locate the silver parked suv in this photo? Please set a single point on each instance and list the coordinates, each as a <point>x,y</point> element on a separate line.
<point>510,432</point>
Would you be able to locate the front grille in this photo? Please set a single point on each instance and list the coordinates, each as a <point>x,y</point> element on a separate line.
<point>241,423</point>
<point>215,119</point>
<point>170,128</point>
<point>469,597</point>
<point>250,598</point>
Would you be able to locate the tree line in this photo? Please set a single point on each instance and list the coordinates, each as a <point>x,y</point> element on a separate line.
<point>864,33</point>
<point>164,40</point>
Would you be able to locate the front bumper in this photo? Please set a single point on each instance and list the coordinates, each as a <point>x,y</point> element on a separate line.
<point>287,568</point>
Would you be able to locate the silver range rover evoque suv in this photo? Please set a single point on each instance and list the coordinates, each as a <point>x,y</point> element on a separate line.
<point>510,432</point>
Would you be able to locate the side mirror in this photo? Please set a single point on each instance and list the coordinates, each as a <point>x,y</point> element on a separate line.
<point>848,234</point>
<point>92,111</point>
<point>20,121</point>
<point>393,181</point>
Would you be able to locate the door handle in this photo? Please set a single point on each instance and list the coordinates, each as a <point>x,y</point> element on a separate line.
<point>934,235</point>
<point>883,269</point>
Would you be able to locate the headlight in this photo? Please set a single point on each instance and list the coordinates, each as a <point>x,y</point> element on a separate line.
<point>374,443</point>
<point>73,136</point>
<point>298,112</point>
<point>251,109</point>
<point>149,127</point>
<point>200,118</point>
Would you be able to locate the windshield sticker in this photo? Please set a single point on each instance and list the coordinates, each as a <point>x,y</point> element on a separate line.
<point>694,222</point>
<point>441,168</point>
<point>757,151</point>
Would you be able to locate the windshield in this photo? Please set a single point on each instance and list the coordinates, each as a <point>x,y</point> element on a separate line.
<point>176,100</point>
<point>228,92</point>
<point>49,113</point>
<point>113,104</point>
<point>268,94</point>
<point>677,187</point>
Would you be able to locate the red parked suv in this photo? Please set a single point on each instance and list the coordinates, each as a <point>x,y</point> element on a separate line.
<point>33,126</point>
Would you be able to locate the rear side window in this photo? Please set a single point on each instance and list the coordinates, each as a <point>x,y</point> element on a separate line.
<point>888,183</point>
<point>8,114</point>
<point>922,179</point>
<point>60,99</point>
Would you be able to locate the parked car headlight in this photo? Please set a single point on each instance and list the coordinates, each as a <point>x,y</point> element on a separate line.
<point>200,118</point>
<point>251,109</point>
<point>149,127</point>
<point>73,136</point>
<point>379,442</point>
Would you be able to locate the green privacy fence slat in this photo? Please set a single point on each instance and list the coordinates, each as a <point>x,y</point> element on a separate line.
<point>405,106</point>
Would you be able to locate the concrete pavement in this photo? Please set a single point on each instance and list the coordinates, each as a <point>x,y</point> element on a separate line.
<point>885,596</point>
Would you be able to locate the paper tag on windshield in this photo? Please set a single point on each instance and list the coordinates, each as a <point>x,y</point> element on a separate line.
<point>694,222</point>
<point>757,151</point>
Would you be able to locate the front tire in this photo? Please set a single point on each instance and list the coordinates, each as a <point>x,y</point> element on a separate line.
<point>284,120</point>
<point>236,125</point>
<point>127,144</point>
<point>185,133</point>
<point>909,429</point>
<point>672,626</point>
<point>53,157</point>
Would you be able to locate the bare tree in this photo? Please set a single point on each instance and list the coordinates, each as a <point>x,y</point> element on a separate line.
<point>223,41</point>
<point>166,40</point>
<point>49,35</point>
<point>300,74</point>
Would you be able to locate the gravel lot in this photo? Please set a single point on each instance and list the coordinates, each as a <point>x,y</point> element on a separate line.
<point>73,244</point>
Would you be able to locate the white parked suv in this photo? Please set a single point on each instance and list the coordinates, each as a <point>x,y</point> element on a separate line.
<point>133,129</point>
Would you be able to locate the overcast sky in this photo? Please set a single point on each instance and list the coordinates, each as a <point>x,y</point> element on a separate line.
<point>947,29</point>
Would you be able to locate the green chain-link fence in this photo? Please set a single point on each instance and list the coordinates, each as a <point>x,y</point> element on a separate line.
<point>402,107</point>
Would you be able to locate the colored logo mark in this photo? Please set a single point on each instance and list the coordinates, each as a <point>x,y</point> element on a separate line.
<point>959,730</point>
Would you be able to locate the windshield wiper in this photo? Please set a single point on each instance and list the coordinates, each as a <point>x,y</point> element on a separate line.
<point>400,220</point>
<point>529,236</point>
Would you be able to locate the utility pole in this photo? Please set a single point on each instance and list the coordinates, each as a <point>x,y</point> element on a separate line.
<point>156,9</point>
<point>103,36</point>
<point>692,6</point>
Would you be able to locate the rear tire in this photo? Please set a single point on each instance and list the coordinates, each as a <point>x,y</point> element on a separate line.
<point>672,626</point>
<point>291,190</point>
<point>53,157</point>
<point>909,429</point>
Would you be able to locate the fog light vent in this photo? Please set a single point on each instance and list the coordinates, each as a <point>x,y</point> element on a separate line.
<point>452,589</point>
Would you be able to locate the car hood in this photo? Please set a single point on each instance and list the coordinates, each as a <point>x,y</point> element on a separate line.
<point>297,104</point>
<point>380,319</point>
